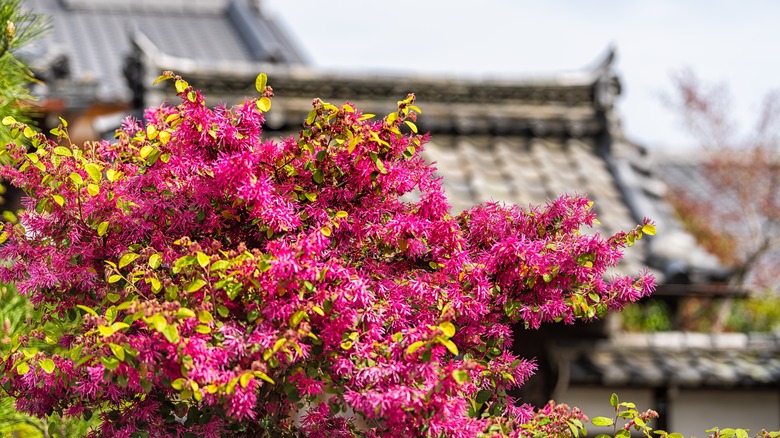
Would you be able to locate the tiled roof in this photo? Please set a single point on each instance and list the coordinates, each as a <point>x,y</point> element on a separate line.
<point>95,36</point>
<point>674,359</point>
<point>525,171</point>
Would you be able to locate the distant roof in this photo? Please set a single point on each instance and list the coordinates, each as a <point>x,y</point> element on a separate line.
<point>94,36</point>
<point>674,359</point>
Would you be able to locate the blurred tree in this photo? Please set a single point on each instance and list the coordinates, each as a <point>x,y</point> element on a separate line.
<point>19,28</point>
<point>737,213</point>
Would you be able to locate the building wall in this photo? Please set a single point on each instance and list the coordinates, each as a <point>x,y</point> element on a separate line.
<point>594,402</point>
<point>694,411</point>
<point>690,412</point>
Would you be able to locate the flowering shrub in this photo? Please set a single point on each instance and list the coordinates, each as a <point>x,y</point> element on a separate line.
<point>198,280</point>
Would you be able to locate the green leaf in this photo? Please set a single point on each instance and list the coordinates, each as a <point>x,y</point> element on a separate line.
<point>171,333</point>
<point>220,265</point>
<point>614,401</point>
<point>260,82</point>
<point>127,259</point>
<point>195,285</point>
<point>22,368</point>
<point>114,278</point>
<point>414,347</point>
<point>184,313</point>
<point>63,151</point>
<point>111,363</point>
<point>145,151</point>
<point>118,350</point>
<point>203,259</point>
<point>264,376</point>
<point>223,311</point>
<point>86,309</point>
<point>178,384</point>
<point>483,396</point>
<point>8,120</point>
<point>113,297</point>
<point>648,229</point>
<point>602,421</point>
<point>460,376</point>
<point>317,176</point>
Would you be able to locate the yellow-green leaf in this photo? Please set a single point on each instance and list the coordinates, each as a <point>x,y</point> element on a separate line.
<point>94,172</point>
<point>447,328</point>
<point>162,78</point>
<point>22,368</point>
<point>155,260</point>
<point>47,365</point>
<point>102,228</point>
<point>127,259</point>
<point>118,350</point>
<point>181,85</point>
<point>244,379</point>
<point>184,313</point>
<point>145,151</point>
<point>205,317</point>
<point>260,82</point>
<point>203,329</point>
<point>325,231</point>
<point>649,229</point>
<point>59,200</point>
<point>114,278</point>
<point>76,178</point>
<point>195,285</point>
<point>450,346</point>
<point>460,376</point>
<point>165,137</point>
<point>93,189</point>
<point>263,376</point>
<point>203,259</point>
<point>264,104</point>
<point>366,117</point>
<point>63,151</point>
<point>112,175</point>
<point>178,384</point>
<point>171,333</point>
<point>86,309</point>
<point>8,120</point>
<point>411,125</point>
<point>414,347</point>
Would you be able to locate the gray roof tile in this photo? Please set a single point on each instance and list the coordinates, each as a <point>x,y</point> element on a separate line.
<point>674,358</point>
<point>96,36</point>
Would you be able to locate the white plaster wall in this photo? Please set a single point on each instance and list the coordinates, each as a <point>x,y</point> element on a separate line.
<point>692,412</point>
<point>594,402</point>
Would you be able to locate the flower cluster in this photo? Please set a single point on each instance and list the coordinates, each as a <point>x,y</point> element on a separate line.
<point>199,279</point>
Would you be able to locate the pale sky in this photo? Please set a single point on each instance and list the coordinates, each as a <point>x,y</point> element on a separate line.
<point>730,42</point>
